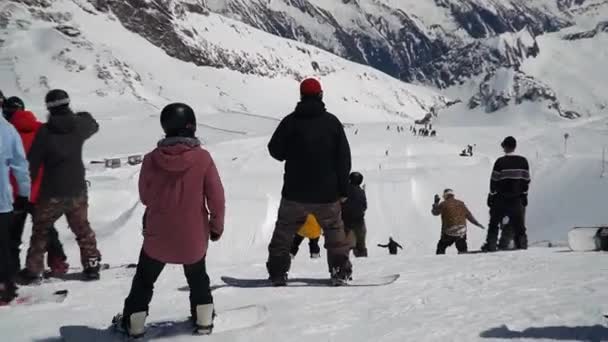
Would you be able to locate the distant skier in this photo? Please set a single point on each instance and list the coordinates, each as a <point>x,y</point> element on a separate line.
<point>353,214</point>
<point>12,160</point>
<point>312,143</point>
<point>311,231</point>
<point>181,188</point>
<point>508,196</point>
<point>454,216</point>
<point>392,246</point>
<point>58,146</point>
<point>28,126</point>
<point>470,150</point>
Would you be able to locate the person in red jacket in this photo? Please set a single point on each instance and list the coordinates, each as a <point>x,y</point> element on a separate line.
<point>27,126</point>
<point>181,188</point>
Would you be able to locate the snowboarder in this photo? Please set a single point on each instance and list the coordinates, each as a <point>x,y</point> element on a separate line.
<point>470,150</point>
<point>508,196</point>
<point>13,161</point>
<point>312,231</point>
<point>392,246</point>
<point>58,146</point>
<point>177,231</point>
<point>314,147</point>
<point>353,215</point>
<point>454,215</point>
<point>27,126</point>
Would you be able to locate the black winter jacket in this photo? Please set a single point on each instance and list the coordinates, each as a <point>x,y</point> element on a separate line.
<point>510,177</point>
<point>58,147</point>
<point>353,210</point>
<point>315,149</point>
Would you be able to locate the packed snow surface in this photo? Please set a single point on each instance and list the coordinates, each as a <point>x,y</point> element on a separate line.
<point>539,293</point>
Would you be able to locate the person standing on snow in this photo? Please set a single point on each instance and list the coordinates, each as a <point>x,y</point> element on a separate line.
<point>454,216</point>
<point>312,231</point>
<point>353,214</point>
<point>27,126</point>
<point>58,146</point>
<point>392,246</point>
<point>314,147</point>
<point>508,196</point>
<point>12,160</point>
<point>185,206</point>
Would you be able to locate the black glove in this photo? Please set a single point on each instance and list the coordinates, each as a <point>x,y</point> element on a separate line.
<point>214,236</point>
<point>21,204</point>
<point>524,200</point>
<point>490,200</point>
<point>437,199</point>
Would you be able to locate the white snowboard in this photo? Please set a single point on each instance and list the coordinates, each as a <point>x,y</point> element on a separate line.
<point>584,239</point>
<point>226,321</point>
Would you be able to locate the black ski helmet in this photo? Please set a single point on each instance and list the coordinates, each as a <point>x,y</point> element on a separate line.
<point>355,178</point>
<point>178,119</point>
<point>11,105</point>
<point>56,98</point>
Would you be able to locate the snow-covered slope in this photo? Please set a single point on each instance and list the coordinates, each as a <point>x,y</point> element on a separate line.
<point>71,45</point>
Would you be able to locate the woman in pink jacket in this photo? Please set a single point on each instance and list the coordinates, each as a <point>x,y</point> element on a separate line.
<point>184,198</point>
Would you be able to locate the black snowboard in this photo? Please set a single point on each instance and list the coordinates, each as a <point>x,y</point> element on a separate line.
<point>311,282</point>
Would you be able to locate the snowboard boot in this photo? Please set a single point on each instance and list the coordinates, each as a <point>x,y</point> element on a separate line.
<point>488,248</point>
<point>134,326</point>
<point>57,265</point>
<point>521,242</point>
<point>26,277</point>
<point>91,270</point>
<point>203,319</point>
<point>340,276</point>
<point>315,255</point>
<point>8,292</point>
<point>278,280</point>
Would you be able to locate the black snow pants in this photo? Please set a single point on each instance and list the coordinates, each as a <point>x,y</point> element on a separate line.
<point>7,266</point>
<point>516,212</point>
<point>448,240</point>
<point>313,245</point>
<point>148,271</point>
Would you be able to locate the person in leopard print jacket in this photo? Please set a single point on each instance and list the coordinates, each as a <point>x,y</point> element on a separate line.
<point>454,215</point>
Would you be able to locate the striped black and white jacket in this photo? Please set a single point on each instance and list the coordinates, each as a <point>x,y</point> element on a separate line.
<point>510,177</point>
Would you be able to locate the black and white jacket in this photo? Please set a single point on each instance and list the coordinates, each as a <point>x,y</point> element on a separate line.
<point>510,177</point>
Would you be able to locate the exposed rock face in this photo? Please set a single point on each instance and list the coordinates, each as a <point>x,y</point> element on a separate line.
<point>504,87</point>
<point>601,28</point>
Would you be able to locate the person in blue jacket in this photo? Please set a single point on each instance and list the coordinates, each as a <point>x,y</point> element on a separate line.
<point>12,160</point>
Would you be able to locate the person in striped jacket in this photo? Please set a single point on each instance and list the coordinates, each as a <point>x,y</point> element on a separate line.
<point>508,196</point>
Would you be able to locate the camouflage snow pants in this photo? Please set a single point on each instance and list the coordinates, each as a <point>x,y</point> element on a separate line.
<point>47,212</point>
<point>292,216</point>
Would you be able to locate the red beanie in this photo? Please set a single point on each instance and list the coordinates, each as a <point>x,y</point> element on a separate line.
<point>310,87</point>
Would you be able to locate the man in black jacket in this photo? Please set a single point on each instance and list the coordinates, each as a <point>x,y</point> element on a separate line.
<point>58,146</point>
<point>508,196</point>
<point>353,214</point>
<point>314,147</point>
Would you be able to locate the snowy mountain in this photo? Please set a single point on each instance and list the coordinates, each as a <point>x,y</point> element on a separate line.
<point>149,53</point>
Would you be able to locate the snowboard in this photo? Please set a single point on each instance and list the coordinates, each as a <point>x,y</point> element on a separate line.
<point>236,319</point>
<point>38,298</point>
<point>78,276</point>
<point>312,282</point>
<point>587,239</point>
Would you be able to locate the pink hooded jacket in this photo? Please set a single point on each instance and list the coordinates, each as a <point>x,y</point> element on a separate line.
<point>181,188</point>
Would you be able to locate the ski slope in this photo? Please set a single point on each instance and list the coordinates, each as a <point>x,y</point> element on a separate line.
<point>539,293</point>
